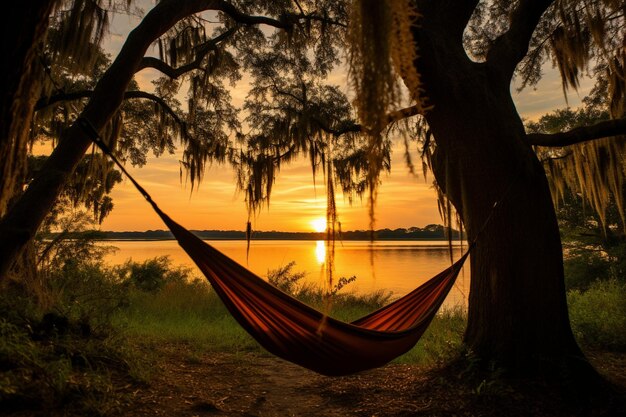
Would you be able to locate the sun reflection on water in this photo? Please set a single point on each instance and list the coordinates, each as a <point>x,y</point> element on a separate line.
<point>320,251</point>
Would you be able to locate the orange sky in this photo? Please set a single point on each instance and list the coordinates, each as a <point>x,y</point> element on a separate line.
<point>403,200</point>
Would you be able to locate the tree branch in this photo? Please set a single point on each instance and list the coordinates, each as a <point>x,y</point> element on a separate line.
<point>285,21</point>
<point>148,96</point>
<point>288,94</point>
<point>556,158</point>
<point>245,19</point>
<point>352,127</point>
<point>44,102</point>
<point>392,117</point>
<point>317,18</point>
<point>510,47</point>
<point>203,50</point>
<point>581,134</point>
<point>77,95</point>
<point>396,116</point>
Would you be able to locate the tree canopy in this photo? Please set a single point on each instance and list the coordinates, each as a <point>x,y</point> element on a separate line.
<point>287,49</point>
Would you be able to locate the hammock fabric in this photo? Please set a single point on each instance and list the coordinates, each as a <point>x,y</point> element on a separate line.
<point>300,334</point>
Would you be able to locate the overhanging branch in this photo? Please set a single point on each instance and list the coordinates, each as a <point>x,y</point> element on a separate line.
<point>245,19</point>
<point>27,213</point>
<point>285,21</point>
<point>134,94</point>
<point>203,50</point>
<point>396,116</point>
<point>581,134</point>
<point>510,47</point>
<point>162,104</point>
<point>44,102</point>
<point>392,117</point>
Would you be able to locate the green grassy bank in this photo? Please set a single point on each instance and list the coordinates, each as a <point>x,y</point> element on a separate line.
<point>190,312</point>
<point>69,341</point>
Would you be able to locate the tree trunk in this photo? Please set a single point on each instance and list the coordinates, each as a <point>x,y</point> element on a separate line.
<point>25,25</point>
<point>517,316</point>
<point>517,313</point>
<point>21,222</point>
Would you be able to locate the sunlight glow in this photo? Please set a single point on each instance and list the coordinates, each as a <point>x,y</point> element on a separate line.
<point>320,251</point>
<point>319,224</point>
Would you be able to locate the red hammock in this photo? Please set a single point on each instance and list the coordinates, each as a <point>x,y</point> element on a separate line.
<point>296,332</point>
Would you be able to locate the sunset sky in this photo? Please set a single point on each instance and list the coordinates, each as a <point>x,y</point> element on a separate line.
<point>403,200</point>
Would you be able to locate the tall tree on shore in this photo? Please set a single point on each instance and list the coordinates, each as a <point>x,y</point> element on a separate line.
<point>26,26</point>
<point>468,54</point>
<point>462,57</point>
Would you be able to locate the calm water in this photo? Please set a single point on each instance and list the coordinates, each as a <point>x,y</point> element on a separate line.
<point>396,266</point>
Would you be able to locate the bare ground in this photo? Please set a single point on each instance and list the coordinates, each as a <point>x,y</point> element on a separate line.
<point>188,383</point>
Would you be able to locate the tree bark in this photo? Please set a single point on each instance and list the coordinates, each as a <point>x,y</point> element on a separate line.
<point>25,25</point>
<point>517,314</point>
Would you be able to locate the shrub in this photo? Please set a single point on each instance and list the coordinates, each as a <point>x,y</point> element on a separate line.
<point>583,267</point>
<point>87,293</point>
<point>153,274</point>
<point>285,279</point>
<point>290,282</point>
<point>49,363</point>
<point>598,315</point>
<point>65,354</point>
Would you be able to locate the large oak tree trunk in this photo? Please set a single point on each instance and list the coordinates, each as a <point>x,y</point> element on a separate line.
<point>517,313</point>
<point>517,308</point>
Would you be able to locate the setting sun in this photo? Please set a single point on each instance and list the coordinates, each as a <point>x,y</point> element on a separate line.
<point>319,224</point>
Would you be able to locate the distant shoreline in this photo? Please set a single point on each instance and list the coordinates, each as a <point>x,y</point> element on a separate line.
<point>427,233</point>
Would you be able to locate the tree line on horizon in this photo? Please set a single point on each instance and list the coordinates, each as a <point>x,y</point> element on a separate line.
<point>428,232</point>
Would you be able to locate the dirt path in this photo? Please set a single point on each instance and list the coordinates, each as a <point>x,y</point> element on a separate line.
<point>249,384</point>
<point>223,384</point>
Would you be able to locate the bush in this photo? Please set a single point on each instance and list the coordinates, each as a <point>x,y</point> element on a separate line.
<point>286,280</point>
<point>290,282</point>
<point>87,293</point>
<point>598,315</point>
<point>65,354</point>
<point>152,275</point>
<point>583,267</point>
<point>56,368</point>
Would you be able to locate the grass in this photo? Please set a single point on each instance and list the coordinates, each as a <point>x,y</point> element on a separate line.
<point>58,349</point>
<point>97,325</point>
<point>598,315</point>
<point>442,341</point>
<point>180,312</point>
<point>191,313</point>
<point>58,367</point>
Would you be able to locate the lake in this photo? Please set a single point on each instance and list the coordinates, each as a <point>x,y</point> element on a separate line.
<point>397,266</point>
